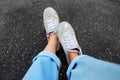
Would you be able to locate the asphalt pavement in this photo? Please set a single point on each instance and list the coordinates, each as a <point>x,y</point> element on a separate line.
<point>22,34</point>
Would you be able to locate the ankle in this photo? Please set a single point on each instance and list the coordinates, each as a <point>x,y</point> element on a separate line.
<point>51,46</point>
<point>52,37</point>
<point>52,43</point>
<point>72,55</point>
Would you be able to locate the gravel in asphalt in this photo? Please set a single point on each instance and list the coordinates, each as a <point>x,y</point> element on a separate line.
<point>22,34</point>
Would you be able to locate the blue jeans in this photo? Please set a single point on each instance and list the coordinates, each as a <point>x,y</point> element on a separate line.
<point>46,66</point>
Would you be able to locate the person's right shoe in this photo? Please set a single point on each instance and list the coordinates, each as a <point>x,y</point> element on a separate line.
<point>51,21</point>
<point>68,39</point>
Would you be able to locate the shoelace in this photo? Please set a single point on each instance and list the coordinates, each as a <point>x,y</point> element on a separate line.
<point>51,24</point>
<point>69,41</point>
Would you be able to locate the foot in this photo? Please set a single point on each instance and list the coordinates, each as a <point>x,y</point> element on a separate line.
<point>68,39</point>
<point>51,21</point>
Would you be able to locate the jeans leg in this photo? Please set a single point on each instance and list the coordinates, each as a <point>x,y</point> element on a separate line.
<point>88,68</point>
<point>45,66</point>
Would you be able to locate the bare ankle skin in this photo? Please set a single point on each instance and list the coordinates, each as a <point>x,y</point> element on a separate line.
<point>52,43</point>
<point>72,55</point>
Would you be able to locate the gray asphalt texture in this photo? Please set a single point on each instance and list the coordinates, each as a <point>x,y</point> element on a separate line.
<point>22,34</point>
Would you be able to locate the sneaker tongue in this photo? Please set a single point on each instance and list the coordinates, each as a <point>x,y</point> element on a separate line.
<point>51,27</point>
<point>71,44</point>
<point>51,24</point>
<point>69,41</point>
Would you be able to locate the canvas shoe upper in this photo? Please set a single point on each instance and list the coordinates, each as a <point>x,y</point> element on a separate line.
<point>67,38</point>
<point>51,20</point>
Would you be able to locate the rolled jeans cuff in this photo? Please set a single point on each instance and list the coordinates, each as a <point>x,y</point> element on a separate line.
<point>49,54</point>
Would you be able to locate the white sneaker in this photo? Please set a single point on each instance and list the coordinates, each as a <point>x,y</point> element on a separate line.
<point>51,21</point>
<point>68,39</point>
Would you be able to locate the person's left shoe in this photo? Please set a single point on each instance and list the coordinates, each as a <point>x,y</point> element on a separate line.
<point>68,39</point>
<point>51,21</point>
